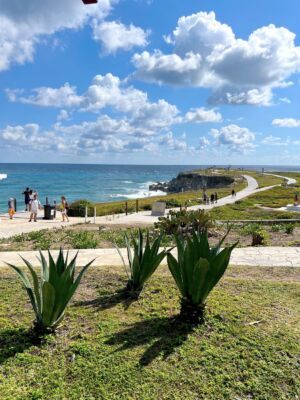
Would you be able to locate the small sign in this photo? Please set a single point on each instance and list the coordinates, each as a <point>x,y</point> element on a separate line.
<point>158,209</point>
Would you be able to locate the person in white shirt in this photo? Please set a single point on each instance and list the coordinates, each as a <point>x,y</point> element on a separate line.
<point>35,206</point>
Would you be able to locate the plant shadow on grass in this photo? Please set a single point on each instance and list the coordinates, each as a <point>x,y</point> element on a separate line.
<point>109,301</point>
<point>164,335</point>
<point>14,341</point>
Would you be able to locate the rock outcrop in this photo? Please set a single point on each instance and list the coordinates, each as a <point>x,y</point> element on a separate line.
<point>191,181</point>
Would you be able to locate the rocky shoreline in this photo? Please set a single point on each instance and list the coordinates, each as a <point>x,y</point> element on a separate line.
<point>191,181</point>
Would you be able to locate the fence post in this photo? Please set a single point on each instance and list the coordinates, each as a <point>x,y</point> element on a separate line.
<point>126,208</point>
<point>137,205</point>
<point>86,214</point>
<point>95,215</point>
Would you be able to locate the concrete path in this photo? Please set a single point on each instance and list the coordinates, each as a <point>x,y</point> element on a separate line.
<point>248,256</point>
<point>290,181</point>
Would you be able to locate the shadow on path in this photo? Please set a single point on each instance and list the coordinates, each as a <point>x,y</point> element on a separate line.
<point>163,335</point>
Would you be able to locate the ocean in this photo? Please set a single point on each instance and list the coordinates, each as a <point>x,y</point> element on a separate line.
<point>100,183</point>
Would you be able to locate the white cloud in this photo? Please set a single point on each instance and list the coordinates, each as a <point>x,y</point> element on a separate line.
<point>170,68</point>
<point>114,36</point>
<point>275,141</point>
<point>23,24</point>
<point>200,115</point>
<point>203,143</point>
<point>63,115</point>
<point>173,143</point>
<point>286,122</point>
<point>234,137</point>
<point>285,100</point>
<point>208,54</point>
<point>64,96</point>
<point>30,138</point>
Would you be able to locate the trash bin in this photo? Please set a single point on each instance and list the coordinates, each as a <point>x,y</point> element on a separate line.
<point>47,212</point>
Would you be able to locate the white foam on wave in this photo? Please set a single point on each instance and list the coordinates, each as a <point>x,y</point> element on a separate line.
<point>138,195</point>
<point>3,176</point>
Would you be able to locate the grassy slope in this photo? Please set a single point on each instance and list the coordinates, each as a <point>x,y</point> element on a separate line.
<point>106,351</point>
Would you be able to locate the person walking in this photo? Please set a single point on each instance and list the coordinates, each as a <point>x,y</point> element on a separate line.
<point>11,208</point>
<point>35,205</point>
<point>64,206</point>
<point>216,197</point>
<point>26,198</point>
<point>212,198</point>
<point>233,194</point>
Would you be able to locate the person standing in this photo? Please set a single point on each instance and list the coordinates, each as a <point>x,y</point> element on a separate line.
<point>64,206</point>
<point>35,205</point>
<point>233,193</point>
<point>216,197</point>
<point>11,208</point>
<point>26,198</point>
<point>212,198</point>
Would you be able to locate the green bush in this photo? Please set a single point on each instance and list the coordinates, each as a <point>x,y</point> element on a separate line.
<point>196,271</point>
<point>249,229</point>
<point>184,221</point>
<point>260,237</point>
<point>289,228</point>
<point>77,208</point>
<point>276,228</point>
<point>50,295</point>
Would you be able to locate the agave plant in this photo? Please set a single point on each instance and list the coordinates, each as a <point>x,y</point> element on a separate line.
<point>196,271</point>
<point>50,295</point>
<point>142,262</point>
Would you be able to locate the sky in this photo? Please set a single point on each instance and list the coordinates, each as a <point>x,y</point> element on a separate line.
<point>150,82</point>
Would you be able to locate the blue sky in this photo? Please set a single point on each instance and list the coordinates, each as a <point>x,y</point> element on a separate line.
<point>151,82</point>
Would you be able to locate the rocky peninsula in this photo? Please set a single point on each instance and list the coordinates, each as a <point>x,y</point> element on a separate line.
<point>191,181</point>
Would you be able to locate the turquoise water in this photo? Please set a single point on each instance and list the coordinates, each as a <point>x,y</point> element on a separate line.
<point>93,182</point>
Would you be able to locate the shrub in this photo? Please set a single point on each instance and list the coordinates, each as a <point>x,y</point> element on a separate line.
<point>276,228</point>
<point>50,295</point>
<point>289,229</point>
<point>143,262</point>
<point>179,221</point>
<point>260,237</point>
<point>196,271</point>
<point>249,229</point>
<point>77,208</point>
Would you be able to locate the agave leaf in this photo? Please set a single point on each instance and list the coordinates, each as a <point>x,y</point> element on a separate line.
<point>36,284</point>
<point>77,281</point>
<point>28,287</point>
<point>45,268</point>
<point>218,268</point>
<point>176,273</point>
<point>122,258</point>
<point>199,280</point>
<point>48,297</point>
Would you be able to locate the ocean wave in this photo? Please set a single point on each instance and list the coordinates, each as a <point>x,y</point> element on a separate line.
<point>138,195</point>
<point>3,176</point>
<point>127,182</point>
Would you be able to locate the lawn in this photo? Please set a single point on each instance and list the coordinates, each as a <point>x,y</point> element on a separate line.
<point>109,349</point>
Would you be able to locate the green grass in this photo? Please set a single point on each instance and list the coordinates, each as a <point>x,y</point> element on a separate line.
<point>249,208</point>
<point>109,349</point>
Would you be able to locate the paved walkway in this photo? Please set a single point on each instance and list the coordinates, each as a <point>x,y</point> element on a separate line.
<point>21,225</point>
<point>248,256</point>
